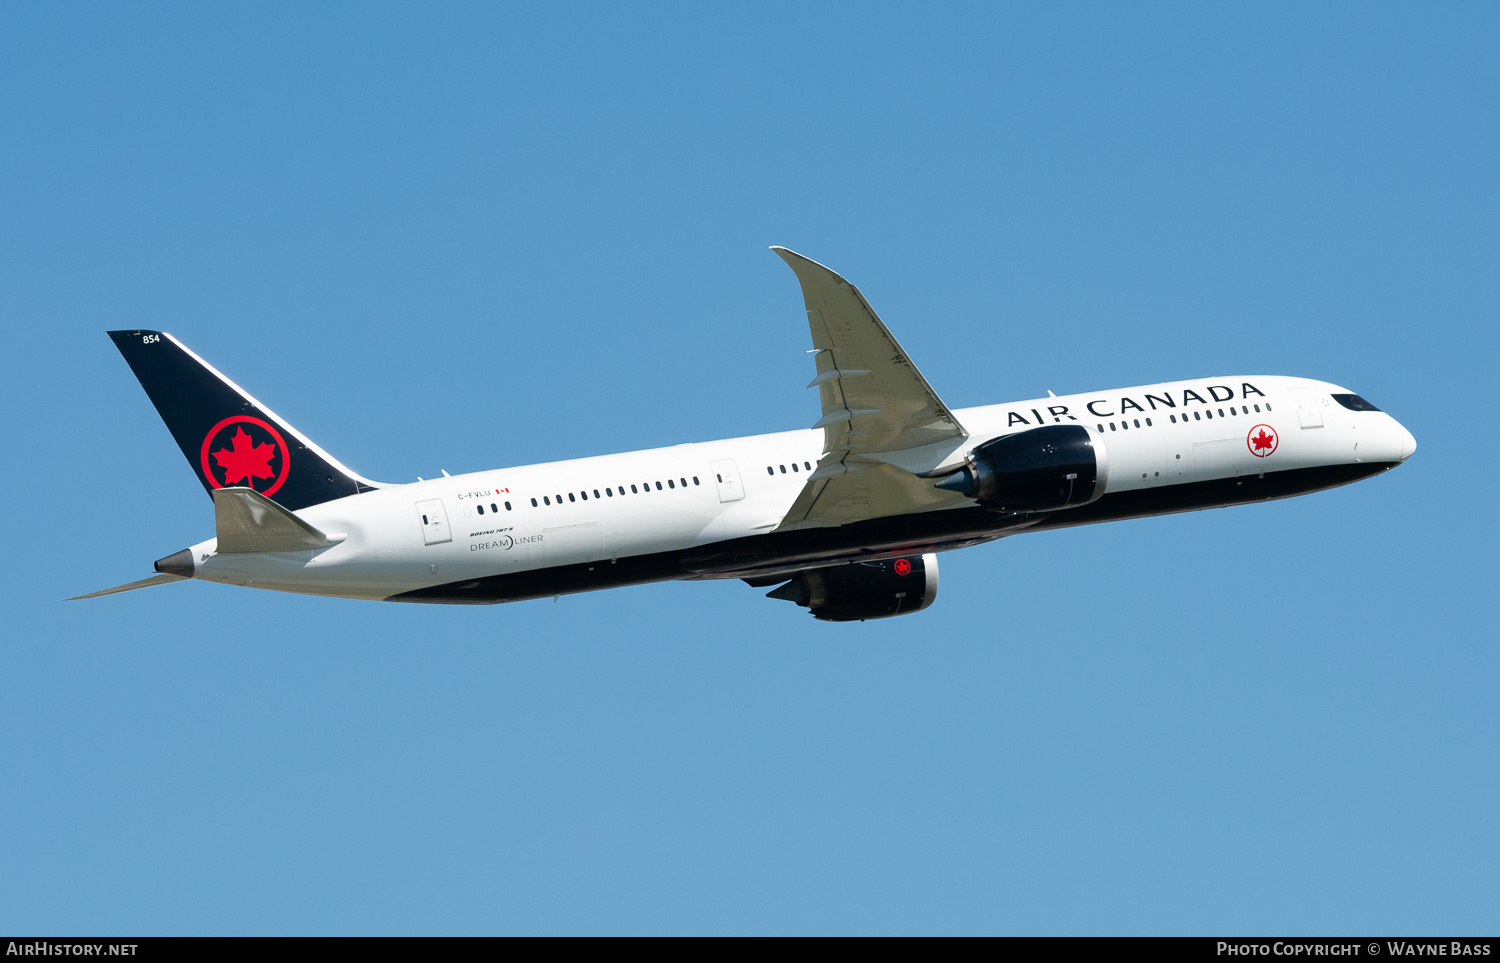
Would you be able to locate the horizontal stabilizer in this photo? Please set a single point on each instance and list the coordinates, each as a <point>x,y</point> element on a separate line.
<point>143,583</point>
<point>248,521</point>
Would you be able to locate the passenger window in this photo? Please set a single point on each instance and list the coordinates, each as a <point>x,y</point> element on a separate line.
<point>770,470</point>
<point>571,498</point>
<point>794,466</point>
<point>609,493</point>
<point>481,509</point>
<point>720,477</point>
<point>1268,406</point>
<point>695,479</point>
<point>424,519</point>
<point>1174,418</point>
<point>546,500</point>
<point>1221,412</point>
<point>493,508</point>
<point>1148,423</point>
<point>559,498</point>
<point>658,486</point>
<point>1111,426</point>
<point>596,493</point>
<point>684,482</point>
<point>807,465</point>
<point>632,488</point>
<point>783,469</point>
<point>1137,422</point>
<point>1257,409</point>
<point>533,503</point>
<point>584,494</point>
<point>1210,415</point>
<point>507,506</point>
<point>1101,429</point>
<point>1197,416</point>
<point>671,484</point>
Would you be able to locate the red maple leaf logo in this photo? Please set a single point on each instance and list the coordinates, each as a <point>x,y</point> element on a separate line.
<point>245,460</point>
<point>903,567</point>
<point>1262,440</point>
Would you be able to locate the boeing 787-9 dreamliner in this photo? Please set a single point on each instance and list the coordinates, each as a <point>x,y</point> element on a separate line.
<point>845,518</point>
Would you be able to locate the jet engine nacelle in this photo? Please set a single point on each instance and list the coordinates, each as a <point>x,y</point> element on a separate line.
<point>1044,469</point>
<point>864,590</point>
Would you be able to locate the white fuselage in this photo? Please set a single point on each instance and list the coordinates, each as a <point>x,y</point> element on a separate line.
<point>610,508</point>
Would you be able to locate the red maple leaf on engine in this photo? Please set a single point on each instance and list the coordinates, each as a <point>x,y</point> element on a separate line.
<point>245,459</point>
<point>1262,440</point>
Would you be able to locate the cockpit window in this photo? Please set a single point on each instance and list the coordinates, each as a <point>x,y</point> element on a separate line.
<point>1354,403</point>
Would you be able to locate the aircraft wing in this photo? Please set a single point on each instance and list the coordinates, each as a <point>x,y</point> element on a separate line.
<point>882,422</point>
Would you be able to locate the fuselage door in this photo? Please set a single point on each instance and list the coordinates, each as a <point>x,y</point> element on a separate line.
<point>1308,413</point>
<point>727,477</point>
<point>434,522</point>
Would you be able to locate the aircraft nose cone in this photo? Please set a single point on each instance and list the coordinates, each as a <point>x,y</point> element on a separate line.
<point>1408,442</point>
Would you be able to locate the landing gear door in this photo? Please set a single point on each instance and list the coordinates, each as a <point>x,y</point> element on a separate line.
<point>434,522</point>
<point>1308,414</point>
<point>727,477</point>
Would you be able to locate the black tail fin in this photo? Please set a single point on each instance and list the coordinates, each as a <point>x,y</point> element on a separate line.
<point>229,438</point>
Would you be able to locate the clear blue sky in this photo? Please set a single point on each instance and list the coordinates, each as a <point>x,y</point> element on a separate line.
<point>462,237</point>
